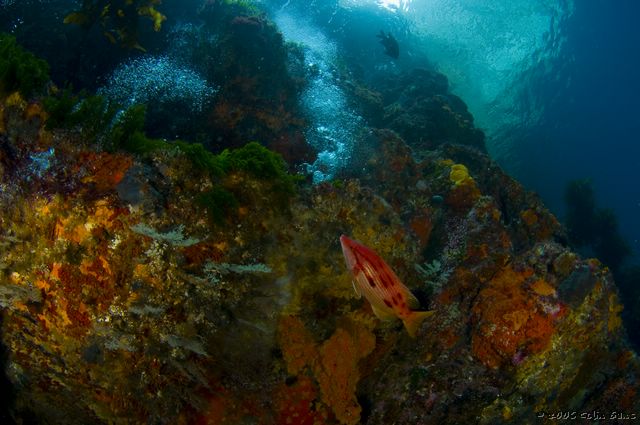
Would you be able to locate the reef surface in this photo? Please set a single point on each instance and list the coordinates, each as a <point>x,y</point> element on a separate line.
<point>146,281</point>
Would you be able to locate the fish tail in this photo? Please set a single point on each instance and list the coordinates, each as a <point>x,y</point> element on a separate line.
<point>413,321</point>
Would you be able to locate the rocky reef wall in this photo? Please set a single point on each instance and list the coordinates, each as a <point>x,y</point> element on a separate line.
<point>153,281</point>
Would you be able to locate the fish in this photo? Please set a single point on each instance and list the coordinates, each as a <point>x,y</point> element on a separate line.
<point>379,284</point>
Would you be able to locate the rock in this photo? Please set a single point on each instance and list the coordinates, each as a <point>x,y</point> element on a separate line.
<point>419,107</point>
<point>172,286</point>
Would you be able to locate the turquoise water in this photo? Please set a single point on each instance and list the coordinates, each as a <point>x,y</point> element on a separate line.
<point>552,83</point>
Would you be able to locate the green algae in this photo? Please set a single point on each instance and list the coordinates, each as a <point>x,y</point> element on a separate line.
<point>20,70</point>
<point>219,203</point>
<point>201,158</point>
<point>262,163</point>
<point>91,114</point>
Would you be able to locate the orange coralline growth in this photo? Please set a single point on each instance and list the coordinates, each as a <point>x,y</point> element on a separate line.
<point>296,405</point>
<point>541,287</point>
<point>224,407</point>
<point>463,195</point>
<point>198,254</point>
<point>78,229</point>
<point>507,320</point>
<point>337,371</point>
<point>446,296</point>
<point>92,280</point>
<point>45,321</point>
<point>76,292</point>
<point>107,169</point>
<point>78,316</point>
<point>298,348</point>
<point>59,228</point>
<point>35,110</point>
<point>539,223</point>
<point>55,271</point>
<point>422,225</point>
<point>478,252</point>
<point>334,365</point>
<point>529,217</point>
<point>43,285</point>
<point>98,268</point>
<point>61,312</point>
<point>63,308</point>
<point>79,233</point>
<point>516,319</point>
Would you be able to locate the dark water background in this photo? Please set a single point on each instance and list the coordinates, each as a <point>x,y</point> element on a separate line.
<point>590,128</point>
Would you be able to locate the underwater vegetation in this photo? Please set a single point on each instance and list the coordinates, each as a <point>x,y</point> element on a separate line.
<point>591,226</point>
<point>154,280</point>
<point>20,70</point>
<point>594,228</point>
<point>118,19</point>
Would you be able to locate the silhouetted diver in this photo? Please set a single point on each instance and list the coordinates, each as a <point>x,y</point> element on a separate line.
<point>390,44</point>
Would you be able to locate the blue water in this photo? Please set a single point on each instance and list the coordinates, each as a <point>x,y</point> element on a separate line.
<point>553,83</point>
<point>590,127</point>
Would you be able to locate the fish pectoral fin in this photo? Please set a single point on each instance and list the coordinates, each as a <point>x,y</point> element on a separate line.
<point>414,320</point>
<point>383,314</point>
<point>359,282</point>
<point>355,288</point>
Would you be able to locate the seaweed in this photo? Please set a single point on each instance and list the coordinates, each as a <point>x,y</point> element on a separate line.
<point>254,159</point>
<point>92,114</point>
<point>117,18</point>
<point>128,133</point>
<point>219,203</point>
<point>201,158</point>
<point>20,70</point>
<point>262,163</point>
<point>591,226</point>
<point>94,117</point>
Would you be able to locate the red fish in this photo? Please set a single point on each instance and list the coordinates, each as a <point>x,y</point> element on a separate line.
<point>374,279</point>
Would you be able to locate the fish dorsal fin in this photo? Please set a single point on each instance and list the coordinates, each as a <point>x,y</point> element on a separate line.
<point>412,301</point>
<point>383,314</point>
